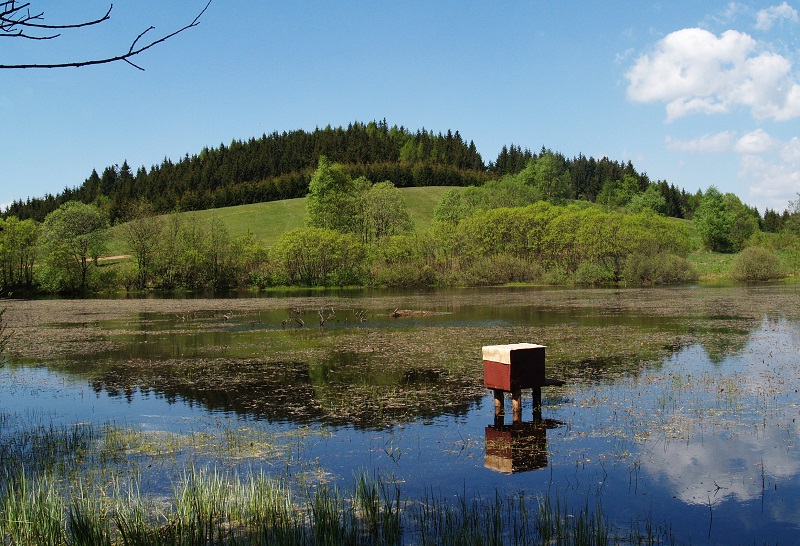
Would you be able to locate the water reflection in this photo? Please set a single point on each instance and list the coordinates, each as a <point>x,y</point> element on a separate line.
<point>345,388</point>
<point>740,440</point>
<point>678,402</point>
<point>519,446</point>
<point>742,467</point>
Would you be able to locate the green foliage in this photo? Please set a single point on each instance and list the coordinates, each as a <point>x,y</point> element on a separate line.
<point>791,223</point>
<point>337,202</point>
<point>617,194</point>
<point>661,268</point>
<point>456,204</point>
<point>723,222</point>
<point>556,275</point>
<point>756,264</point>
<point>142,233</point>
<point>406,260</point>
<point>18,241</point>
<point>460,203</point>
<point>318,257</point>
<point>773,222</point>
<point>74,236</point>
<point>333,199</point>
<point>593,274</point>
<point>566,237</point>
<point>205,257</point>
<point>404,275</point>
<point>197,255</point>
<point>549,177</point>
<point>384,212</point>
<point>651,199</point>
<point>499,269</point>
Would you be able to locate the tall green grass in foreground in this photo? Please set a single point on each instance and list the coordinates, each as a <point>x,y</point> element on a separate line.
<point>212,508</point>
<point>52,504</point>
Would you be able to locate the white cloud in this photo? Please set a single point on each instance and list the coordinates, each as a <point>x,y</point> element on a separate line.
<point>718,142</point>
<point>755,142</point>
<point>694,71</point>
<point>790,153</point>
<point>623,57</point>
<point>768,167</point>
<point>773,180</point>
<point>722,461</point>
<point>730,13</point>
<point>769,16</point>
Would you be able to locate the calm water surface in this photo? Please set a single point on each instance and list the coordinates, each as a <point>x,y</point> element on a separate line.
<point>680,408</point>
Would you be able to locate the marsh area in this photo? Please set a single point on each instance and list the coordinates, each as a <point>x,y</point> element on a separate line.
<point>679,410</point>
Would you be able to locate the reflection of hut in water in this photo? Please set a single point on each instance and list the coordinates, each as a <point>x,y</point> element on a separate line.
<point>518,447</point>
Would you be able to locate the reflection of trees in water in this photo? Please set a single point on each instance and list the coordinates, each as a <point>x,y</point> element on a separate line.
<point>344,389</point>
<point>724,344</point>
<point>366,391</point>
<point>279,391</point>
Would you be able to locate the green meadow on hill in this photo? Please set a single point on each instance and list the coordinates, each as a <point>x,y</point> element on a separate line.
<point>268,221</point>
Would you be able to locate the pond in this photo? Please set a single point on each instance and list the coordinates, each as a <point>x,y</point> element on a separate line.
<point>679,408</point>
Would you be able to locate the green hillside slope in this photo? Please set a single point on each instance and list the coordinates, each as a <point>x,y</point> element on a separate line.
<point>267,221</point>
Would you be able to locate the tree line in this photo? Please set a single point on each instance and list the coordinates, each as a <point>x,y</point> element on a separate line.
<point>522,227</point>
<point>279,166</point>
<point>272,167</point>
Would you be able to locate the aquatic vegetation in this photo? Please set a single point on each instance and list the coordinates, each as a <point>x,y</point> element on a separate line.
<point>677,422</point>
<point>208,507</point>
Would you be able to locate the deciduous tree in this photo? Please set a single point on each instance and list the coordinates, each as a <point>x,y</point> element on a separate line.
<point>385,212</point>
<point>792,221</point>
<point>723,222</point>
<point>651,199</point>
<point>18,240</point>
<point>142,232</point>
<point>319,257</point>
<point>333,199</point>
<point>73,234</point>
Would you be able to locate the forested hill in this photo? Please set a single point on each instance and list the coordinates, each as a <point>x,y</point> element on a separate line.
<point>279,166</point>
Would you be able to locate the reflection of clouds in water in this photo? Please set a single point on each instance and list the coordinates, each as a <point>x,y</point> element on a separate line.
<point>720,468</point>
<point>759,449</point>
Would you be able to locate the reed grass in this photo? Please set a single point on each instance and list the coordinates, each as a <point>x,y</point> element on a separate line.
<point>57,489</point>
<point>211,507</point>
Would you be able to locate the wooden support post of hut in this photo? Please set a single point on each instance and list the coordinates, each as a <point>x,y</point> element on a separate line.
<point>511,368</point>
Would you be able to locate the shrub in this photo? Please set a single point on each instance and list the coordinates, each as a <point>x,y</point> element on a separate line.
<point>756,264</point>
<point>499,269</point>
<point>318,257</point>
<point>663,268</point>
<point>671,269</point>
<point>127,276</point>
<point>556,275</point>
<point>591,273</point>
<point>404,275</point>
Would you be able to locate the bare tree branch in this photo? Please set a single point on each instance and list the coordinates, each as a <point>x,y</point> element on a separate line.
<point>15,20</point>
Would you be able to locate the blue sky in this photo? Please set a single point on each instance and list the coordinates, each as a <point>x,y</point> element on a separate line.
<point>696,93</point>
